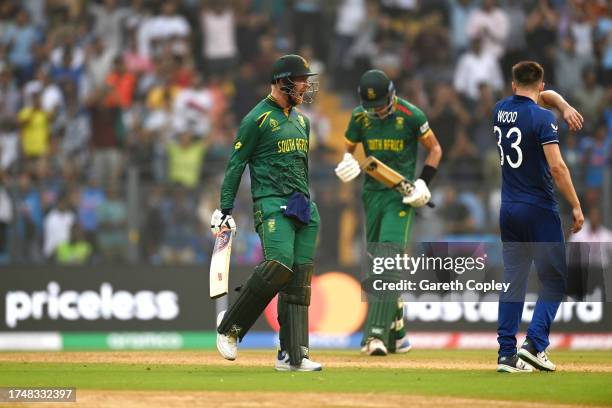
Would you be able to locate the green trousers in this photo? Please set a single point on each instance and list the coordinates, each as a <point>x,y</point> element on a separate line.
<point>388,231</point>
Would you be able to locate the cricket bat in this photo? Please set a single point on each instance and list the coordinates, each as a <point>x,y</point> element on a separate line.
<point>219,264</point>
<point>384,174</point>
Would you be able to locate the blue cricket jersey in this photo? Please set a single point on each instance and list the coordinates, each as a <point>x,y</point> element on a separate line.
<point>521,128</point>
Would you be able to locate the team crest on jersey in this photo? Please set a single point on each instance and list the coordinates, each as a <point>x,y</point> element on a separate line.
<point>302,122</point>
<point>274,124</point>
<point>363,119</point>
<point>271,225</point>
<point>238,145</point>
<point>399,122</point>
<point>371,94</point>
<point>402,213</point>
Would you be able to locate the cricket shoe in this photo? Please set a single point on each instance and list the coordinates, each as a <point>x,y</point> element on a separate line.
<point>283,364</point>
<point>374,347</point>
<point>539,360</point>
<point>402,345</point>
<point>227,344</point>
<point>512,364</point>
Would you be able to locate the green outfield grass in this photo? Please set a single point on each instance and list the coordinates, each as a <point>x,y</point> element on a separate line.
<point>570,387</point>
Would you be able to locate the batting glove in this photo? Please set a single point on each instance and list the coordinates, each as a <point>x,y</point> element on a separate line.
<point>348,168</point>
<point>420,195</point>
<point>221,222</point>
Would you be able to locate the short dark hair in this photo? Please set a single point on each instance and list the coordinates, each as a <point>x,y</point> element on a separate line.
<point>527,73</point>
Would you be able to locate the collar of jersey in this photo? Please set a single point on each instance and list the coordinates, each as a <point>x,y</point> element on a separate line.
<point>272,101</point>
<point>523,98</point>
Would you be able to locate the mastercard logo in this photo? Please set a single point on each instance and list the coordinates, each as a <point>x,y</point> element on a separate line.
<point>335,305</point>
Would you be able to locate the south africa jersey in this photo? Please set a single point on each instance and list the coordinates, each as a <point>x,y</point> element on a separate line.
<point>274,143</point>
<point>393,140</point>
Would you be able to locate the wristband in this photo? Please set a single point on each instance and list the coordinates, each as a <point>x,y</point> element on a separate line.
<point>226,211</point>
<point>428,173</point>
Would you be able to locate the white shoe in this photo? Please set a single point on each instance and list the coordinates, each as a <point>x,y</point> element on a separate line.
<point>374,347</point>
<point>540,360</point>
<point>282,363</point>
<point>512,364</point>
<point>403,345</point>
<point>226,343</point>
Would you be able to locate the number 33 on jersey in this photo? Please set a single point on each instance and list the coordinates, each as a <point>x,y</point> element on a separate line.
<point>521,128</point>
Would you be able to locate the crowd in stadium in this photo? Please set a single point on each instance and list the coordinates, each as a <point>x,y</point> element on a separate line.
<point>96,94</point>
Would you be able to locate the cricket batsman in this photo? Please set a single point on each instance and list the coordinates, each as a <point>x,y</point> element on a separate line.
<point>273,140</point>
<point>389,128</point>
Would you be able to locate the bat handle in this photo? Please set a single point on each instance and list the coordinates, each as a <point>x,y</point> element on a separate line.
<point>431,204</point>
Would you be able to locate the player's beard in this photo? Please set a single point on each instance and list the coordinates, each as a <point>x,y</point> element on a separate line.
<point>296,98</point>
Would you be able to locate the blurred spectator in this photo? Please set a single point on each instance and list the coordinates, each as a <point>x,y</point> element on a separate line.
<point>350,22</point>
<point>193,108</point>
<point>516,40</point>
<point>185,160</point>
<point>152,229</point>
<point>141,152</point>
<point>57,225</point>
<point>446,114</point>
<point>490,24</point>
<point>35,124</point>
<point>6,213</point>
<point>134,61</point>
<point>107,136</point>
<point>10,98</point>
<point>599,239</point>
<point>589,99</point>
<point>246,95</point>
<point>180,226</point>
<point>159,124</point>
<point>250,24</point>
<point>460,11</point>
<point>569,66</point>
<point>218,30</point>
<point>21,39</point>
<point>474,68</point>
<point>74,128</point>
<point>108,22</point>
<point>169,27</point>
<point>99,63</point>
<point>111,215</point>
<point>9,144</point>
<point>480,132</point>
<point>91,198</point>
<point>465,160</point>
<point>121,83</point>
<point>51,96</point>
<point>541,27</point>
<point>604,44</point>
<point>582,30</point>
<point>66,72</point>
<point>456,215</point>
<point>308,19</point>
<point>29,208</point>
<point>75,251</point>
<point>597,156</point>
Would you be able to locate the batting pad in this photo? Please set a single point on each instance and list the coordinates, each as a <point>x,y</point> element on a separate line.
<point>257,292</point>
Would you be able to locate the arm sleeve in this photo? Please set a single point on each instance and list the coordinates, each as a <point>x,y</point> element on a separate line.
<point>547,127</point>
<point>353,132</point>
<point>244,145</point>
<point>420,123</point>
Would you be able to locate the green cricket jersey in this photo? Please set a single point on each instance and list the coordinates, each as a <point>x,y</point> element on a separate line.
<point>393,140</point>
<point>274,143</point>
